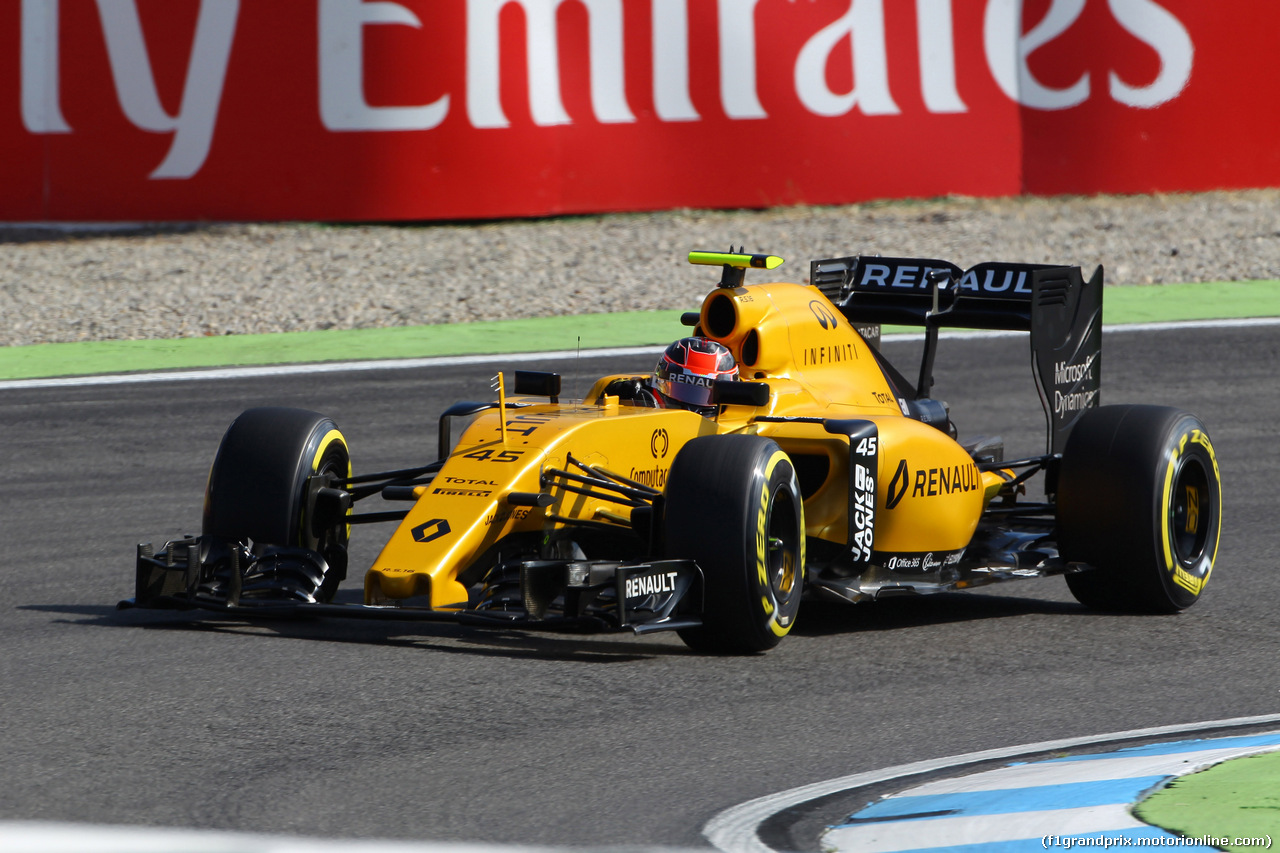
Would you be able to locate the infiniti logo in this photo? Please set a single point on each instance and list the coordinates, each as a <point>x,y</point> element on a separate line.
<point>826,317</point>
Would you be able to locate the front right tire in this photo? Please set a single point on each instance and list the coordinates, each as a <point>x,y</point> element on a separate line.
<point>733,505</point>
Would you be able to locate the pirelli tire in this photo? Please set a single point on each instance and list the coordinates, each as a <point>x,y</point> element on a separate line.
<point>1140,500</point>
<point>733,505</point>
<point>257,488</point>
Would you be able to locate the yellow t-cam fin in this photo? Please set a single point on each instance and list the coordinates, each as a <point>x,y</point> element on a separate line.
<point>734,259</point>
<point>501,388</point>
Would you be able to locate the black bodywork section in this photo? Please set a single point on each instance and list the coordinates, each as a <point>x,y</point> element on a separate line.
<point>1061,310</point>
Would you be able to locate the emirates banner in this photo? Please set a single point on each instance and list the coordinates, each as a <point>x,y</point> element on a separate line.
<point>454,109</point>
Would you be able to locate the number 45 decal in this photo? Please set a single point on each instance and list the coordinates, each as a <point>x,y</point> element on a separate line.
<point>867,446</point>
<point>488,454</point>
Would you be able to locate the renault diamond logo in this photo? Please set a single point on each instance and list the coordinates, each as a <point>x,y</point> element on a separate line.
<point>898,485</point>
<point>431,530</point>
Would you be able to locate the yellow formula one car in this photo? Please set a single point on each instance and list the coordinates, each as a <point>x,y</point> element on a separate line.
<point>773,453</point>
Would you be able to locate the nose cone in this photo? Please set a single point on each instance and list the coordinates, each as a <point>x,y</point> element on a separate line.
<point>383,585</point>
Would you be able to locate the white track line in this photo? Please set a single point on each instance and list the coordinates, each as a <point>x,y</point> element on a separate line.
<point>735,830</point>
<point>205,375</point>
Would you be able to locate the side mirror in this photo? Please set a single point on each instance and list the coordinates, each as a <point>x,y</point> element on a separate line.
<point>538,384</point>
<point>457,410</point>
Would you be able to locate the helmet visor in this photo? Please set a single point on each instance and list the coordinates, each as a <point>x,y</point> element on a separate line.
<point>685,387</point>
<point>688,369</point>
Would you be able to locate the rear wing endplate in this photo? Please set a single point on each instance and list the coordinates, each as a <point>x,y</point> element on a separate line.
<point>1061,310</point>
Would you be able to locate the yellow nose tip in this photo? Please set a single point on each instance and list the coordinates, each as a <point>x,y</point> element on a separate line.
<point>381,585</point>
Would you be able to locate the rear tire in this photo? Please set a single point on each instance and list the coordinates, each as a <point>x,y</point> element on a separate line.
<point>257,490</point>
<point>733,505</point>
<point>1140,500</point>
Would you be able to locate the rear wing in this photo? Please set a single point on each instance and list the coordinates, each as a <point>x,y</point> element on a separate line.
<point>1061,310</point>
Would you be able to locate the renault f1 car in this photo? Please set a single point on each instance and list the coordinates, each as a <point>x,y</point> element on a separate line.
<point>820,471</point>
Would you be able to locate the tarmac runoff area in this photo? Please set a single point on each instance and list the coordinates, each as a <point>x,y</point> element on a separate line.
<point>1210,794</point>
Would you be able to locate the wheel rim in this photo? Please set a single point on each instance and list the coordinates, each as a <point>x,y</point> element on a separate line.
<point>331,542</point>
<point>337,463</point>
<point>784,551</point>
<point>1191,512</point>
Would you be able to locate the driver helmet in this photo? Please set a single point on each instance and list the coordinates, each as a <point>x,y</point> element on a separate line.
<point>685,374</point>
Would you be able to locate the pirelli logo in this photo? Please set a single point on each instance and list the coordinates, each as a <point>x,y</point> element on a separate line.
<point>463,493</point>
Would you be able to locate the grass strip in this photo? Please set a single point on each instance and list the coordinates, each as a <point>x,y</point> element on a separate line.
<point>1235,799</point>
<point>1162,303</point>
<point>638,328</point>
<point>1125,304</point>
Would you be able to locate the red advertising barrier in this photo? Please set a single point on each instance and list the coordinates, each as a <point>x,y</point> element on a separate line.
<point>451,109</point>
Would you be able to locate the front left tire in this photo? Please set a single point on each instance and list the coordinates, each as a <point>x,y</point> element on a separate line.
<point>257,488</point>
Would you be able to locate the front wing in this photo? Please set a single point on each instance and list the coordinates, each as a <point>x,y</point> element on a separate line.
<point>552,595</point>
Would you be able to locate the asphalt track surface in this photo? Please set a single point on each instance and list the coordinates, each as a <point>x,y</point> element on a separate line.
<point>434,732</point>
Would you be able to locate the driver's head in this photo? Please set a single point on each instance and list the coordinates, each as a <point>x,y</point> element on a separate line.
<point>687,371</point>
